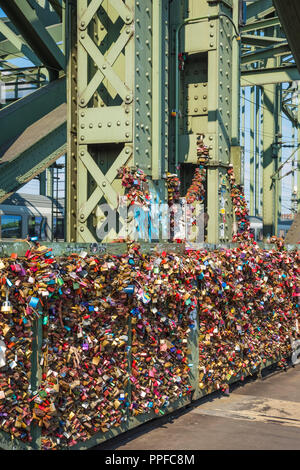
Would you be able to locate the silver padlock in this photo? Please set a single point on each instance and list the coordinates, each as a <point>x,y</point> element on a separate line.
<point>6,306</point>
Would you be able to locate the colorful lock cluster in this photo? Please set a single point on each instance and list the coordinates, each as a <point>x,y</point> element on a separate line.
<point>116,332</point>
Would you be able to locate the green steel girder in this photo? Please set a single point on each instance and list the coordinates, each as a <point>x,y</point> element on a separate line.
<point>32,141</point>
<point>48,145</point>
<point>259,9</point>
<point>18,44</point>
<point>26,19</point>
<point>290,114</point>
<point>10,50</point>
<point>289,15</point>
<point>57,6</point>
<point>47,16</point>
<point>260,41</point>
<point>16,118</point>
<point>266,53</point>
<point>264,76</point>
<point>269,131</point>
<point>260,24</point>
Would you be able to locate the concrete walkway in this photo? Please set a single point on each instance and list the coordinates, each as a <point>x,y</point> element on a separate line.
<point>261,414</point>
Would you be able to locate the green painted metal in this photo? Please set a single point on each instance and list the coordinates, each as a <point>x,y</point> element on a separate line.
<point>266,53</point>
<point>57,6</point>
<point>157,93</point>
<point>236,82</point>
<point>18,43</point>
<point>298,160</point>
<point>30,142</point>
<point>259,9</point>
<point>261,24</point>
<point>267,76</point>
<point>289,15</point>
<point>36,375</point>
<point>257,149</point>
<point>32,160</point>
<point>9,50</point>
<point>146,70</point>
<point>26,19</point>
<point>254,40</point>
<point>101,110</point>
<point>269,131</point>
<point>252,166</point>
<point>15,118</point>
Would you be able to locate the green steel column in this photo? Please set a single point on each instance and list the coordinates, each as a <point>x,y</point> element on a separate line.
<point>219,128</point>
<point>269,130</point>
<point>236,86</point>
<point>277,113</point>
<point>252,133</point>
<point>157,89</point>
<point>279,154</point>
<point>43,183</point>
<point>243,122</point>
<point>257,152</point>
<point>72,79</point>
<point>294,136</point>
<point>261,153</point>
<point>117,106</point>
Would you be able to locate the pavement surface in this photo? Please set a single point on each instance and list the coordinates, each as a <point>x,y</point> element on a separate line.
<point>260,414</point>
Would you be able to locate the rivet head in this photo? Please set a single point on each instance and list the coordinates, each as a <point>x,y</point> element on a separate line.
<point>109,124</point>
<point>100,125</point>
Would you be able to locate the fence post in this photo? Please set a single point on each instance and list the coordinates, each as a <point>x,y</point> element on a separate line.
<point>129,368</point>
<point>36,377</point>
<point>193,356</point>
